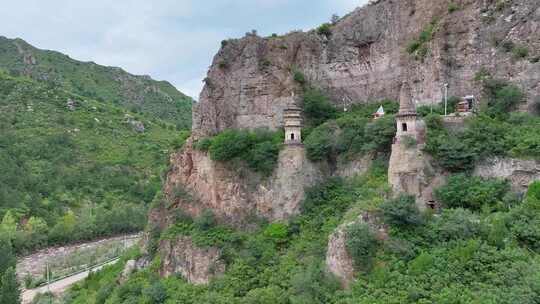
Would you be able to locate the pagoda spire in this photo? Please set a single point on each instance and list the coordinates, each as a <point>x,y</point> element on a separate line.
<point>406,104</point>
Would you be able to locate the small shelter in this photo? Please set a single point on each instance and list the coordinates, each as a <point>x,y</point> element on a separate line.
<point>379,113</point>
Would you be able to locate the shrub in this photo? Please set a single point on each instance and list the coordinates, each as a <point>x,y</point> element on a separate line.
<point>277,232</point>
<point>322,143</point>
<point>533,192</point>
<point>228,145</point>
<point>361,244</point>
<point>325,29</point>
<point>205,221</point>
<point>317,107</point>
<point>203,144</point>
<point>452,7</point>
<point>455,224</point>
<point>450,152</point>
<point>402,212</point>
<point>180,192</point>
<point>525,226</point>
<point>421,264</point>
<point>520,52</point>
<point>259,148</point>
<point>507,45</point>
<point>299,77</point>
<point>379,134</point>
<point>463,191</point>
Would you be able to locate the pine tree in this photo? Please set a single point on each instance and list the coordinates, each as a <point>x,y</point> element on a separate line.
<point>10,290</point>
<point>7,259</point>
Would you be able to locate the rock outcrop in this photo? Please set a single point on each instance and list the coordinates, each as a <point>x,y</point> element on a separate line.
<point>197,265</point>
<point>338,260</point>
<point>234,195</point>
<point>411,171</point>
<point>520,173</point>
<point>365,59</point>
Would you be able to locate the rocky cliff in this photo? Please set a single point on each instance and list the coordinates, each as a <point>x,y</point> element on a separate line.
<point>234,195</point>
<point>365,58</point>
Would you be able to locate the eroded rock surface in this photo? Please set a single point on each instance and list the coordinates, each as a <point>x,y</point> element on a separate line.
<point>236,194</point>
<point>338,260</point>
<point>520,173</point>
<point>365,59</point>
<point>197,265</point>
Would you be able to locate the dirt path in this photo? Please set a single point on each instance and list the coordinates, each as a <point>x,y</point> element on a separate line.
<point>59,287</point>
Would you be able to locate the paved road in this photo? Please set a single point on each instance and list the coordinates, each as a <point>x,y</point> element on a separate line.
<point>60,286</point>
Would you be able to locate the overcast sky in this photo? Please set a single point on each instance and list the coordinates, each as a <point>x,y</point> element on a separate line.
<point>172,40</point>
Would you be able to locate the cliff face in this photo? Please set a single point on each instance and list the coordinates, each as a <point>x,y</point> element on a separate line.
<point>197,265</point>
<point>235,195</point>
<point>365,59</point>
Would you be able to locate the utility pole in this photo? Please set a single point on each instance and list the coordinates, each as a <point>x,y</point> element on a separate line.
<point>445,99</point>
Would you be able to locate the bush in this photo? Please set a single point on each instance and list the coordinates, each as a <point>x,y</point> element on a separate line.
<point>452,7</point>
<point>259,148</point>
<point>502,97</point>
<point>361,244</point>
<point>228,145</point>
<point>317,107</point>
<point>299,77</point>
<point>205,221</point>
<point>325,29</point>
<point>463,191</point>
<point>322,143</point>
<point>277,232</point>
<point>455,224</point>
<point>402,212</point>
<point>520,52</point>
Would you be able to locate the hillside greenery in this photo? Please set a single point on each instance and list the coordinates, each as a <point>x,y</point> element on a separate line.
<point>482,247</point>
<point>331,134</point>
<point>465,255</point>
<point>259,149</point>
<point>139,94</point>
<point>70,175</point>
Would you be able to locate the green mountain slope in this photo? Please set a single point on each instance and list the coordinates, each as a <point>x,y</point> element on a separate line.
<point>158,99</point>
<point>74,168</point>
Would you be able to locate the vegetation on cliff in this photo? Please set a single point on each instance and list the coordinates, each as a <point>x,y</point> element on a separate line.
<point>259,149</point>
<point>495,131</point>
<point>74,168</point>
<point>331,133</point>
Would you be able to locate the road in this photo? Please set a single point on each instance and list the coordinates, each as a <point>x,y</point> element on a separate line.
<point>61,285</point>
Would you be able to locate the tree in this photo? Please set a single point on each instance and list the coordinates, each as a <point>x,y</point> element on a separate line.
<point>8,227</point>
<point>402,212</point>
<point>361,244</point>
<point>7,259</point>
<point>472,192</point>
<point>9,290</point>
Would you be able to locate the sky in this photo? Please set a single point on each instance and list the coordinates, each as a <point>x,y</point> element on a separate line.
<point>173,40</point>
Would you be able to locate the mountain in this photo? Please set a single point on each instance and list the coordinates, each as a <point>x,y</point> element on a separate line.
<point>412,207</point>
<point>74,168</point>
<point>157,99</point>
<point>366,55</point>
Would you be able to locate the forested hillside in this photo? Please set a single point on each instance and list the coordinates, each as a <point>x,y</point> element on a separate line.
<point>482,247</point>
<point>74,168</point>
<point>157,99</point>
